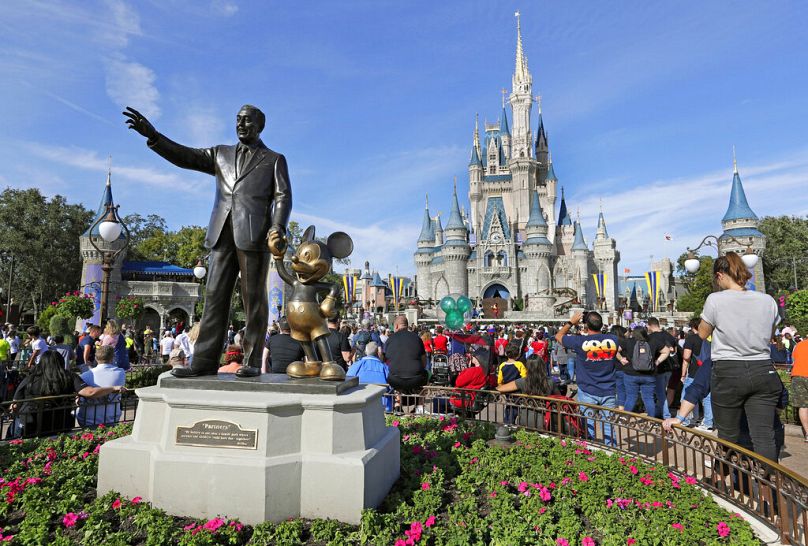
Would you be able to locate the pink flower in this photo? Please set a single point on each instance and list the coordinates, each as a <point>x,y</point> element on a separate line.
<point>503,482</point>
<point>646,480</point>
<point>630,541</point>
<point>189,527</point>
<point>400,542</point>
<point>213,525</point>
<point>583,477</point>
<point>425,486</point>
<point>522,487</point>
<point>430,521</point>
<point>587,541</point>
<point>473,460</point>
<point>545,495</point>
<point>723,529</point>
<point>609,503</point>
<point>137,500</point>
<point>563,444</point>
<point>561,541</point>
<point>633,469</point>
<point>70,519</point>
<point>395,423</point>
<point>678,526</point>
<point>457,444</point>
<point>690,480</point>
<point>116,504</point>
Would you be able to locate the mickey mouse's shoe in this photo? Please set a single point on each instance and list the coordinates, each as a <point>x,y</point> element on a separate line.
<point>302,369</point>
<point>332,372</point>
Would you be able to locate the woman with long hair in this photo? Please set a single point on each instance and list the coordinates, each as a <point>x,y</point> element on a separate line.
<point>741,323</point>
<point>49,378</point>
<point>113,337</point>
<point>535,382</point>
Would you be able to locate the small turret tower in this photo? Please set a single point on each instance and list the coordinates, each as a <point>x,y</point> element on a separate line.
<point>456,249</point>
<point>423,256</point>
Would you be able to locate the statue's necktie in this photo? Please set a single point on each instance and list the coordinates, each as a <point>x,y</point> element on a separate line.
<point>243,152</point>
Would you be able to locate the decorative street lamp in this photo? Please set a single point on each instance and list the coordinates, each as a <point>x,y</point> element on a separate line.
<point>199,270</point>
<point>110,227</point>
<point>692,263</point>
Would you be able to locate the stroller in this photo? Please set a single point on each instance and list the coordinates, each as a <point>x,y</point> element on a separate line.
<point>440,370</point>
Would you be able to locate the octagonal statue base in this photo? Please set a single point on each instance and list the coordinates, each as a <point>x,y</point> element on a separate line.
<point>262,449</point>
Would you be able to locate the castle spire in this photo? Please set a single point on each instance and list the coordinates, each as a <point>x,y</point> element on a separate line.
<point>455,218</point>
<point>521,73</point>
<point>579,243</point>
<point>427,231</point>
<point>738,208</point>
<point>563,215</point>
<point>734,161</point>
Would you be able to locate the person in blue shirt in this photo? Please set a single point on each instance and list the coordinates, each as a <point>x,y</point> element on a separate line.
<point>595,359</point>
<point>370,369</point>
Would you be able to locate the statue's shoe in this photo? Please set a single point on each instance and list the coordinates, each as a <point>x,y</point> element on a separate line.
<point>332,372</point>
<point>302,369</point>
<point>190,372</point>
<point>248,371</point>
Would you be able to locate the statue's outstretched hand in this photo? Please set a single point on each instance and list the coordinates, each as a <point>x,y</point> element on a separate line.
<point>137,121</point>
<point>277,243</point>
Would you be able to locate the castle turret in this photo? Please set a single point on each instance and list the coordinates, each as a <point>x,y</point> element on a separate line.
<point>438,231</point>
<point>456,249</point>
<point>521,100</point>
<point>580,253</point>
<point>476,176</point>
<point>537,249</point>
<point>91,274</point>
<point>505,131</point>
<point>740,226</point>
<point>423,256</point>
<point>606,259</point>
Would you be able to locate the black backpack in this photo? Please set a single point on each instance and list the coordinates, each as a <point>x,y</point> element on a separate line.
<point>642,359</point>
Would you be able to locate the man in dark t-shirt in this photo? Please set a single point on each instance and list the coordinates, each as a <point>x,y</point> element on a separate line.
<point>338,344</point>
<point>406,358</point>
<point>85,354</point>
<point>595,359</point>
<point>283,350</point>
<point>657,339</point>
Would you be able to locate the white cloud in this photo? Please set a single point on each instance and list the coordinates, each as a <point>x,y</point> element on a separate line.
<point>224,7</point>
<point>130,83</point>
<point>204,126</point>
<point>690,208</point>
<point>122,23</point>
<point>89,160</point>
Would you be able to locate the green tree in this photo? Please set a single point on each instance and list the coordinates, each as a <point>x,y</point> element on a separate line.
<point>43,236</point>
<point>785,261</point>
<point>189,243</point>
<point>699,284</point>
<point>797,310</point>
<point>141,229</point>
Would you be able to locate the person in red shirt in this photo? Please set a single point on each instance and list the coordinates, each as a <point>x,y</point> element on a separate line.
<point>475,377</point>
<point>441,343</point>
<point>539,345</point>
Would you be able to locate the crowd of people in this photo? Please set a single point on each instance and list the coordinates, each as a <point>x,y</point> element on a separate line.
<point>715,373</point>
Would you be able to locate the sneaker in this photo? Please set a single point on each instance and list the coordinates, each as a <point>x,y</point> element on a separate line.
<point>704,428</point>
<point>806,437</point>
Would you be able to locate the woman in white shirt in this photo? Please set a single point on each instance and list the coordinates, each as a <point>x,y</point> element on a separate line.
<point>741,323</point>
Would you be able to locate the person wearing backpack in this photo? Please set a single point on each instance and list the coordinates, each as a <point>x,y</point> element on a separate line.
<point>640,360</point>
<point>361,339</point>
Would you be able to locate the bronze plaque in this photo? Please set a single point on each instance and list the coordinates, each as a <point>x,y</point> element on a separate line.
<point>217,433</point>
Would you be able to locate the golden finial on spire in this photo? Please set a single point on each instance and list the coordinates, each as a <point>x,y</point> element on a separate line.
<point>734,161</point>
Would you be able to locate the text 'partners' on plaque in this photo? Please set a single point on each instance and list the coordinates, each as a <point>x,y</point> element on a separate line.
<point>217,433</point>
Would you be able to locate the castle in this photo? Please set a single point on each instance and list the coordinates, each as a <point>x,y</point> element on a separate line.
<point>511,244</point>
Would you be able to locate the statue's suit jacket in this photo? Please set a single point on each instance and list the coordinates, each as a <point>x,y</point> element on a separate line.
<point>257,198</point>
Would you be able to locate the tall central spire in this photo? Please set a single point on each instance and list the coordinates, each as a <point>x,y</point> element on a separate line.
<point>521,73</point>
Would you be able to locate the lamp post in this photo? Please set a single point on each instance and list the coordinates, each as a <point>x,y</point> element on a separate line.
<point>692,263</point>
<point>109,227</point>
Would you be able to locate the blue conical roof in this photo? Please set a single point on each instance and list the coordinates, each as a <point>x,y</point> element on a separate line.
<point>475,159</point>
<point>503,125</point>
<point>106,199</point>
<point>455,219</point>
<point>738,208</point>
<point>427,234</point>
<point>438,225</point>
<point>563,216</point>
<point>536,218</point>
<point>540,131</point>
<point>579,243</point>
<point>602,224</point>
<point>551,175</point>
<point>377,281</point>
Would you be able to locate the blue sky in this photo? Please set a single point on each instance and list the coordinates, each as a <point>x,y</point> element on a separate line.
<point>373,104</point>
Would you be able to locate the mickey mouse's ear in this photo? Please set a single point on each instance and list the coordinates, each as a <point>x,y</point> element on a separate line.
<point>308,235</point>
<point>340,244</point>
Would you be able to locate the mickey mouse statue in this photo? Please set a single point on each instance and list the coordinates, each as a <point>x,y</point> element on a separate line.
<point>306,315</point>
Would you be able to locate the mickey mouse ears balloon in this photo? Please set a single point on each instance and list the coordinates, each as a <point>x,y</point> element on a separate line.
<point>455,308</point>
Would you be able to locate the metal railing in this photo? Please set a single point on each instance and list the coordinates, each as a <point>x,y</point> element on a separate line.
<point>775,495</point>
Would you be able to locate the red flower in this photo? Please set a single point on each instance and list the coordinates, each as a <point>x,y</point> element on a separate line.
<point>116,504</point>
<point>425,486</point>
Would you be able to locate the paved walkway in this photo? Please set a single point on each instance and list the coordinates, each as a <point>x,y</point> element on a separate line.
<point>795,453</point>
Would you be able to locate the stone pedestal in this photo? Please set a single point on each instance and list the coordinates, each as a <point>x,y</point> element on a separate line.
<point>259,449</point>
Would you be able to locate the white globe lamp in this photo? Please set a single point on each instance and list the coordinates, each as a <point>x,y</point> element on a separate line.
<point>692,264</point>
<point>199,270</point>
<point>110,230</point>
<point>750,259</point>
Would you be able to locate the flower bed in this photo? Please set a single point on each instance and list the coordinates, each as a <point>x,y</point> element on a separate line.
<point>454,490</point>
